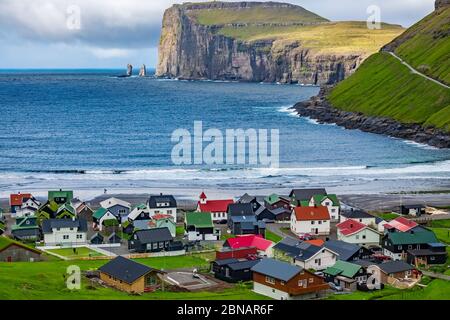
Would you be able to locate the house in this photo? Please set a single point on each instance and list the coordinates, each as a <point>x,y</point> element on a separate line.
<point>397,244</point>
<point>346,275</point>
<point>28,208</point>
<point>393,272</point>
<point>348,251</point>
<point>16,200</point>
<point>151,240</point>
<point>47,211</point>
<point>119,208</point>
<point>301,197</point>
<point>234,270</point>
<point>114,238</point>
<point>241,225</point>
<point>279,214</point>
<point>26,228</point>
<point>436,253</point>
<point>263,246</point>
<point>163,204</point>
<point>14,251</point>
<point>275,201</point>
<point>304,254</point>
<point>140,216</point>
<point>414,210</point>
<point>217,208</point>
<point>283,281</point>
<point>401,224</point>
<point>60,196</point>
<point>199,226</point>
<point>65,211</point>
<point>330,201</point>
<point>310,220</point>
<point>163,221</point>
<point>103,217</point>
<point>248,199</point>
<point>82,209</point>
<point>129,276</point>
<point>97,238</point>
<point>67,232</point>
<point>238,253</point>
<point>353,231</point>
<point>360,216</point>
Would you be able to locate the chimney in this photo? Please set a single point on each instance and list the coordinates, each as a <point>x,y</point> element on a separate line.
<point>351,225</point>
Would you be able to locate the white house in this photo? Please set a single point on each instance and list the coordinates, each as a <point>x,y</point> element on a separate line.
<point>310,220</point>
<point>217,208</point>
<point>360,216</point>
<point>330,201</point>
<point>162,204</point>
<point>28,208</point>
<point>67,232</point>
<point>119,208</point>
<point>101,216</point>
<point>352,231</point>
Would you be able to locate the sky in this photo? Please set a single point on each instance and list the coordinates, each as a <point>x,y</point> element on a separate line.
<point>112,33</point>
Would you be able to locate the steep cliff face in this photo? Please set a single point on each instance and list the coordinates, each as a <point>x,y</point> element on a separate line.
<point>192,50</point>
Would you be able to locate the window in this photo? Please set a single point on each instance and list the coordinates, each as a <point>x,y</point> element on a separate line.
<point>409,247</point>
<point>432,258</point>
<point>313,222</point>
<point>311,280</point>
<point>320,222</point>
<point>357,237</point>
<point>65,237</point>
<point>270,280</point>
<point>122,211</point>
<point>303,283</point>
<point>282,283</point>
<point>161,245</point>
<point>79,236</point>
<point>364,236</point>
<point>333,210</point>
<point>399,247</point>
<point>169,211</point>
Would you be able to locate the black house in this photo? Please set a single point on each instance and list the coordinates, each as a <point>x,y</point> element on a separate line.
<point>348,251</point>
<point>248,199</point>
<point>97,239</point>
<point>151,240</point>
<point>278,214</point>
<point>233,270</point>
<point>436,253</point>
<point>412,210</point>
<point>299,195</point>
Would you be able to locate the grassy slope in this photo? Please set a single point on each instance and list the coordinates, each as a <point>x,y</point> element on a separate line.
<point>382,86</point>
<point>428,45</point>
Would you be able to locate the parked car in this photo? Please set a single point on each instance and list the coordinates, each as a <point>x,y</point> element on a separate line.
<point>306,237</point>
<point>335,287</point>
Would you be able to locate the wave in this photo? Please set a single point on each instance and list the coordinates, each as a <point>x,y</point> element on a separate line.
<point>289,110</point>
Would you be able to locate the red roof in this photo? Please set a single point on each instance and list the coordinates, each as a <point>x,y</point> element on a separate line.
<point>203,196</point>
<point>350,226</point>
<point>401,224</point>
<point>215,205</point>
<point>161,216</point>
<point>249,241</point>
<point>17,199</point>
<point>311,213</point>
<point>316,242</point>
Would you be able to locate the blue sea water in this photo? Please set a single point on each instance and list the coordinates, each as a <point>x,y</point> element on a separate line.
<point>91,129</point>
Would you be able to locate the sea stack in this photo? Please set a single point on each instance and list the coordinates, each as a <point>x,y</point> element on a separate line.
<point>143,71</point>
<point>129,70</point>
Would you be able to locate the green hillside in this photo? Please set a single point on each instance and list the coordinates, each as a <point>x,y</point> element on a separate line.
<point>384,87</point>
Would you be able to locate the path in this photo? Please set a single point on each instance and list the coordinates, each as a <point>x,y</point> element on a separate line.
<point>436,275</point>
<point>417,72</point>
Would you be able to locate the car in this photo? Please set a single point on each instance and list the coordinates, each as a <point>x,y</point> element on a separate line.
<point>320,274</point>
<point>306,237</point>
<point>335,287</point>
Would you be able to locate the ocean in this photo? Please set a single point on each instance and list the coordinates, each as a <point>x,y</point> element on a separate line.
<point>90,130</point>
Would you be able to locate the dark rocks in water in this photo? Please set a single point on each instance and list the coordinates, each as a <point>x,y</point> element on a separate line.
<point>129,70</point>
<point>318,108</point>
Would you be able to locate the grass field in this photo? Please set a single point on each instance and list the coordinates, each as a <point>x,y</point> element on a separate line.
<point>387,216</point>
<point>273,237</point>
<point>441,224</point>
<point>79,252</point>
<point>443,234</point>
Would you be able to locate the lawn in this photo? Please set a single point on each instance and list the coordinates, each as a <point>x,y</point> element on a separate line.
<point>440,224</point>
<point>180,231</point>
<point>387,216</point>
<point>443,234</point>
<point>273,237</point>
<point>46,280</point>
<point>78,253</point>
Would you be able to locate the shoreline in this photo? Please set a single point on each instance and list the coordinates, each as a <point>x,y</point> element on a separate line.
<point>320,110</point>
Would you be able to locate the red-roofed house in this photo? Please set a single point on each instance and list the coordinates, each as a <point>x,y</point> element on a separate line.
<point>310,220</point>
<point>263,246</point>
<point>16,200</point>
<point>400,224</point>
<point>353,231</point>
<point>217,208</point>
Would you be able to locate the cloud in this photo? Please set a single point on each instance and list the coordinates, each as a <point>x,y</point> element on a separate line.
<point>110,53</point>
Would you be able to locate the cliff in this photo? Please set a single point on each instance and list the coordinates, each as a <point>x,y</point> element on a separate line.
<point>263,42</point>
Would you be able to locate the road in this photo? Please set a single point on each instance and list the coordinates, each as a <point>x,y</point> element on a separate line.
<point>417,72</point>
<point>436,275</point>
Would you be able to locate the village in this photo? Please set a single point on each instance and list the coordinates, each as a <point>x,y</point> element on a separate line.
<point>305,245</point>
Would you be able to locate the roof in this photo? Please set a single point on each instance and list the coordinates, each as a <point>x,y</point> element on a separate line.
<point>281,210</point>
<point>243,219</point>
<point>344,249</point>
<point>296,249</point>
<point>154,235</point>
<point>136,212</point>
<point>350,226</point>
<point>277,269</point>
<point>242,265</point>
<point>97,235</point>
<point>399,238</point>
<point>305,194</point>
<point>343,268</point>
<point>153,200</point>
<point>357,214</point>
<point>52,194</point>
<point>17,199</point>
<point>99,213</point>
<point>5,243</point>
<point>311,213</point>
<point>249,241</point>
<point>199,220</point>
<point>240,209</point>
<point>203,196</point>
<point>49,224</point>
<point>319,198</point>
<point>246,198</point>
<point>111,202</point>
<point>316,242</point>
<point>426,252</point>
<point>215,205</point>
<point>274,198</point>
<point>413,206</point>
<point>125,269</point>
<point>401,224</point>
<point>395,266</point>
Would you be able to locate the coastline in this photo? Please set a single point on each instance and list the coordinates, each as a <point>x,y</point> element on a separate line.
<point>319,109</point>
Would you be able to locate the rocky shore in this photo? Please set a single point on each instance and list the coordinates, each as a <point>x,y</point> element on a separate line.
<point>319,109</point>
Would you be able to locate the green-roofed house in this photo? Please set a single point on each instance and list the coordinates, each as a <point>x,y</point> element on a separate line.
<point>60,196</point>
<point>199,226</point>
<point>14,251</point>
<point>275,201</point>
<point>66,211</point>
<point>47,211</point>
<point>346,275</point>
<point>103,217</point>
<point>26,228</point>
<point>330,201</point>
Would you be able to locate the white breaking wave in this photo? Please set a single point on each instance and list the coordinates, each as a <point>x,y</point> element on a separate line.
<point>288,109</point>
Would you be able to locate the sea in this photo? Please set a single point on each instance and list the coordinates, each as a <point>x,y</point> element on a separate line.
<point>90,130</point>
